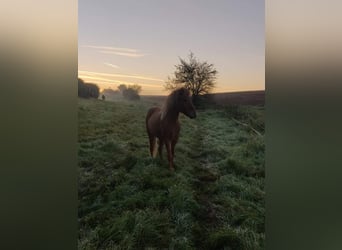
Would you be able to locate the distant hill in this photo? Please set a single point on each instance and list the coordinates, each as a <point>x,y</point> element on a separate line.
<point>256,97</point>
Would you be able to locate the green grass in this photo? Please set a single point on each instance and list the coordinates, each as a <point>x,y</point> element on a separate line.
<point>214,200</point>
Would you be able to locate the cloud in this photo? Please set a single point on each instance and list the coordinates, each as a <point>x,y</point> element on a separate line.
<point>102,81</point>
<point>129,54</point>
<point>112,65</point>
<point>120,75</point>
<point>117,51</point>
<point>111,48</point>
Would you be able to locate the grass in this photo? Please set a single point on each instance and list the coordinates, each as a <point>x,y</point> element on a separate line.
<point>214,199</point>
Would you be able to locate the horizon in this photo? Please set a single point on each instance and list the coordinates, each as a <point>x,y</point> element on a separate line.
<point>167,92</point>
<point>129,42</point>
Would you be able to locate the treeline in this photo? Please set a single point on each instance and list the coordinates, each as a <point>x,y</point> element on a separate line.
<point>91,90</point>
<point>87,90</point>
<point>110,91</point>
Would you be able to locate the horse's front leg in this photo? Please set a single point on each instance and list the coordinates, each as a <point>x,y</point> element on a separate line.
<point>169,154</point>
<point>173,144</point>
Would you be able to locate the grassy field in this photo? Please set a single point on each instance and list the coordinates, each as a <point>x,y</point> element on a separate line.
<point>214,200</point>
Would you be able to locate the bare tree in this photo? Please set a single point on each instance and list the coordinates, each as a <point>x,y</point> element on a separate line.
<point>198,77</point>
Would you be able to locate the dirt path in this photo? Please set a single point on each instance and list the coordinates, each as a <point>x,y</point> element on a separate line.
<point>203,185</point>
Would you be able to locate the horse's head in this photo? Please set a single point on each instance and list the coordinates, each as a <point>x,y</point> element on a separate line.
<point>184,103</point>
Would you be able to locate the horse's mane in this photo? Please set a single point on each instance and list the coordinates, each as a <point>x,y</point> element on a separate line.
<point>171,101</point>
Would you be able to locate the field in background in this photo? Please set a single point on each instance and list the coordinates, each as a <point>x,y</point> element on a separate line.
<point>214,200</point>
<point>224,99</point>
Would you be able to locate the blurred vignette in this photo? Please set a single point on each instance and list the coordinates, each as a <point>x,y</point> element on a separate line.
<point>39,124</point>
<point>303,143</point>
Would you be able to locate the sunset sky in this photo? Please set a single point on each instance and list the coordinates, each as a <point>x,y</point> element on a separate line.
<point>139,42</point>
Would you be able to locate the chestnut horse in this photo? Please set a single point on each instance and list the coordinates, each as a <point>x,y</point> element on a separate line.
<point>163,123</point>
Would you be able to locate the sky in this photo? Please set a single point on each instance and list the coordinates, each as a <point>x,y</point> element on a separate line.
<point>141,41</point>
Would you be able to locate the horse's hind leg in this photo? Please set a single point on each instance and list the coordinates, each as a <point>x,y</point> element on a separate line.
<point>173,144</point>
<point>170,155</point>
<point>160,148</point>
<point>152,144</point>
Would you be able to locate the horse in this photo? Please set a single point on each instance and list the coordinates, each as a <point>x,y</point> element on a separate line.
<point>163,123</point>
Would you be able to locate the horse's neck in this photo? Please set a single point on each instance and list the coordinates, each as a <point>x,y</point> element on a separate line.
<point>170,115</point>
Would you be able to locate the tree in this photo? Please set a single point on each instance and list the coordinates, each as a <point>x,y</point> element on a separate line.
<point>130,92</point>
<point>110,91</point>
<point>135,87</point>
<point>87,90</point>
<point>198,77</point>
<point>122,87</point>
<point>93,90</point>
